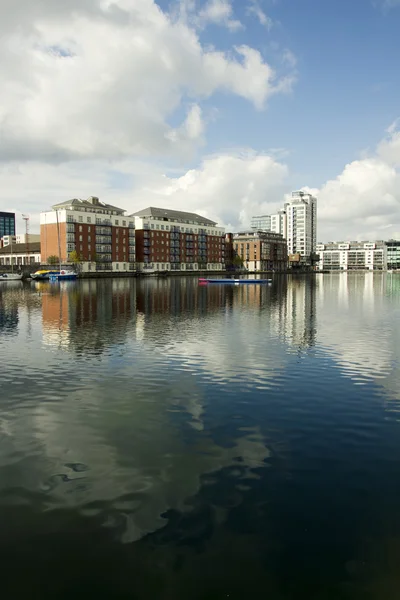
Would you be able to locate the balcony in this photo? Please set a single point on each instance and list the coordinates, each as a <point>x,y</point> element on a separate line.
<point>146,250</point>
<point>70,228</point>
<point>147,243</point>
<point>103,230</point>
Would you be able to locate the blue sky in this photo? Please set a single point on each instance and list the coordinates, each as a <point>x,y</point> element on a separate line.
<point>173,103</point>
<point>348,83</point>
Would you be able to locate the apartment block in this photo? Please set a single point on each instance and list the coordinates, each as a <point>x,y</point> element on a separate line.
<point>261,250</point>
<point>99,234</point>
<point>352,256</point>
<point>296,222</point>
<point>301,224</point>
<point>171,240</point>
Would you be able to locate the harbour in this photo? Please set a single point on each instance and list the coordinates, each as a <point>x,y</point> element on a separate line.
<point>201,441</point>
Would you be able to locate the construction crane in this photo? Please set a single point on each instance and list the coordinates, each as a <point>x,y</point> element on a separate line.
<point>26,219</point>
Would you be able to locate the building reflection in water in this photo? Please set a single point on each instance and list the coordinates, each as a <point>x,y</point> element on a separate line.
<point>87,317</point>
<point>9,307</point>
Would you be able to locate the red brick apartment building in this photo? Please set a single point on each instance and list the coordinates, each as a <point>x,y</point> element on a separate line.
<point>99,234</point>
<point>172,240</point>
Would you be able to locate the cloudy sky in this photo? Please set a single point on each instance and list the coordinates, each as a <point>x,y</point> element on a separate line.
<point>217,106</point>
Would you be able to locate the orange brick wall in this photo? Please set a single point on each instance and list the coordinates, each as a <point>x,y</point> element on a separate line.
<point>49,241</point>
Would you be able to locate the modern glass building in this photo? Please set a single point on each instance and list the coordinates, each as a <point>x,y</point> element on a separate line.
<point>393,254</point>
<point>7,224</point>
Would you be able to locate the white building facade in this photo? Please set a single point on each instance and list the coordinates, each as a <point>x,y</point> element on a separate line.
<point>352,256</point>
<point>301,224</point>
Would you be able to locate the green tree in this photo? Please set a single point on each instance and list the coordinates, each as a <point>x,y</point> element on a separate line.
<point>75,258</point>
<point>238,261</point>
<point>53,260</point>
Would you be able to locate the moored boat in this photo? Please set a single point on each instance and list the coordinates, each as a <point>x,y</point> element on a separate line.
<point>63,275</point>
<point>43,274</point>
<point>10,276</point>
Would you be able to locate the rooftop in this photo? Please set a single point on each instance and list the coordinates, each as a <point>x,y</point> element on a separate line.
<point>21,248</point>
<point>92,203</point>
<point>165,214</point>
<point>258,234</point>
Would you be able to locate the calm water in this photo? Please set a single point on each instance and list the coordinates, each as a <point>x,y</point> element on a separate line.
<point>161,440</point>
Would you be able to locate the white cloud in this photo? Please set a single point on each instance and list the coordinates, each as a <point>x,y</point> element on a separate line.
<point>98,79</point>
<point>364,200</point>
<point>289,58</point>
<point>254,8</point>
<point>219,12</point>
<point>228,187</point>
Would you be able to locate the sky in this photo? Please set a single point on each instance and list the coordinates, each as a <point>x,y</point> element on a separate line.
<point>220,107</point>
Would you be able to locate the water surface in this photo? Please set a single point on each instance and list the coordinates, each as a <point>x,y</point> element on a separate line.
<point>164,440</point>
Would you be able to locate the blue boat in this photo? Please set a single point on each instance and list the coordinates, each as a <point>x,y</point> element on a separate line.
<point>63,276</point>
<point>234,281</point>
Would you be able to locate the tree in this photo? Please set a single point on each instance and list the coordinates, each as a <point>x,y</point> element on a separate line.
<point>75,258</point>
<point>53,260</point>
<point>238,261</point>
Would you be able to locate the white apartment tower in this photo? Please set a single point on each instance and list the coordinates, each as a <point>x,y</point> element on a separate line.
<point>301,224</point>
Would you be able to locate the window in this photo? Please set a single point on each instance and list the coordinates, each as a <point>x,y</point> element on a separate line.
<point>88,228</point>
<point>162,227</point>
<point>80,238</point>
<point>167,227</point>
<point>116,222</point>
<point>152,225</point>
<point>124,223</point>
<point>157,227</point>
<point>80,219</point>
<point>80,227</point>
<point>81,248</point>
<point>89,247</point>
<point>89,219</point>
